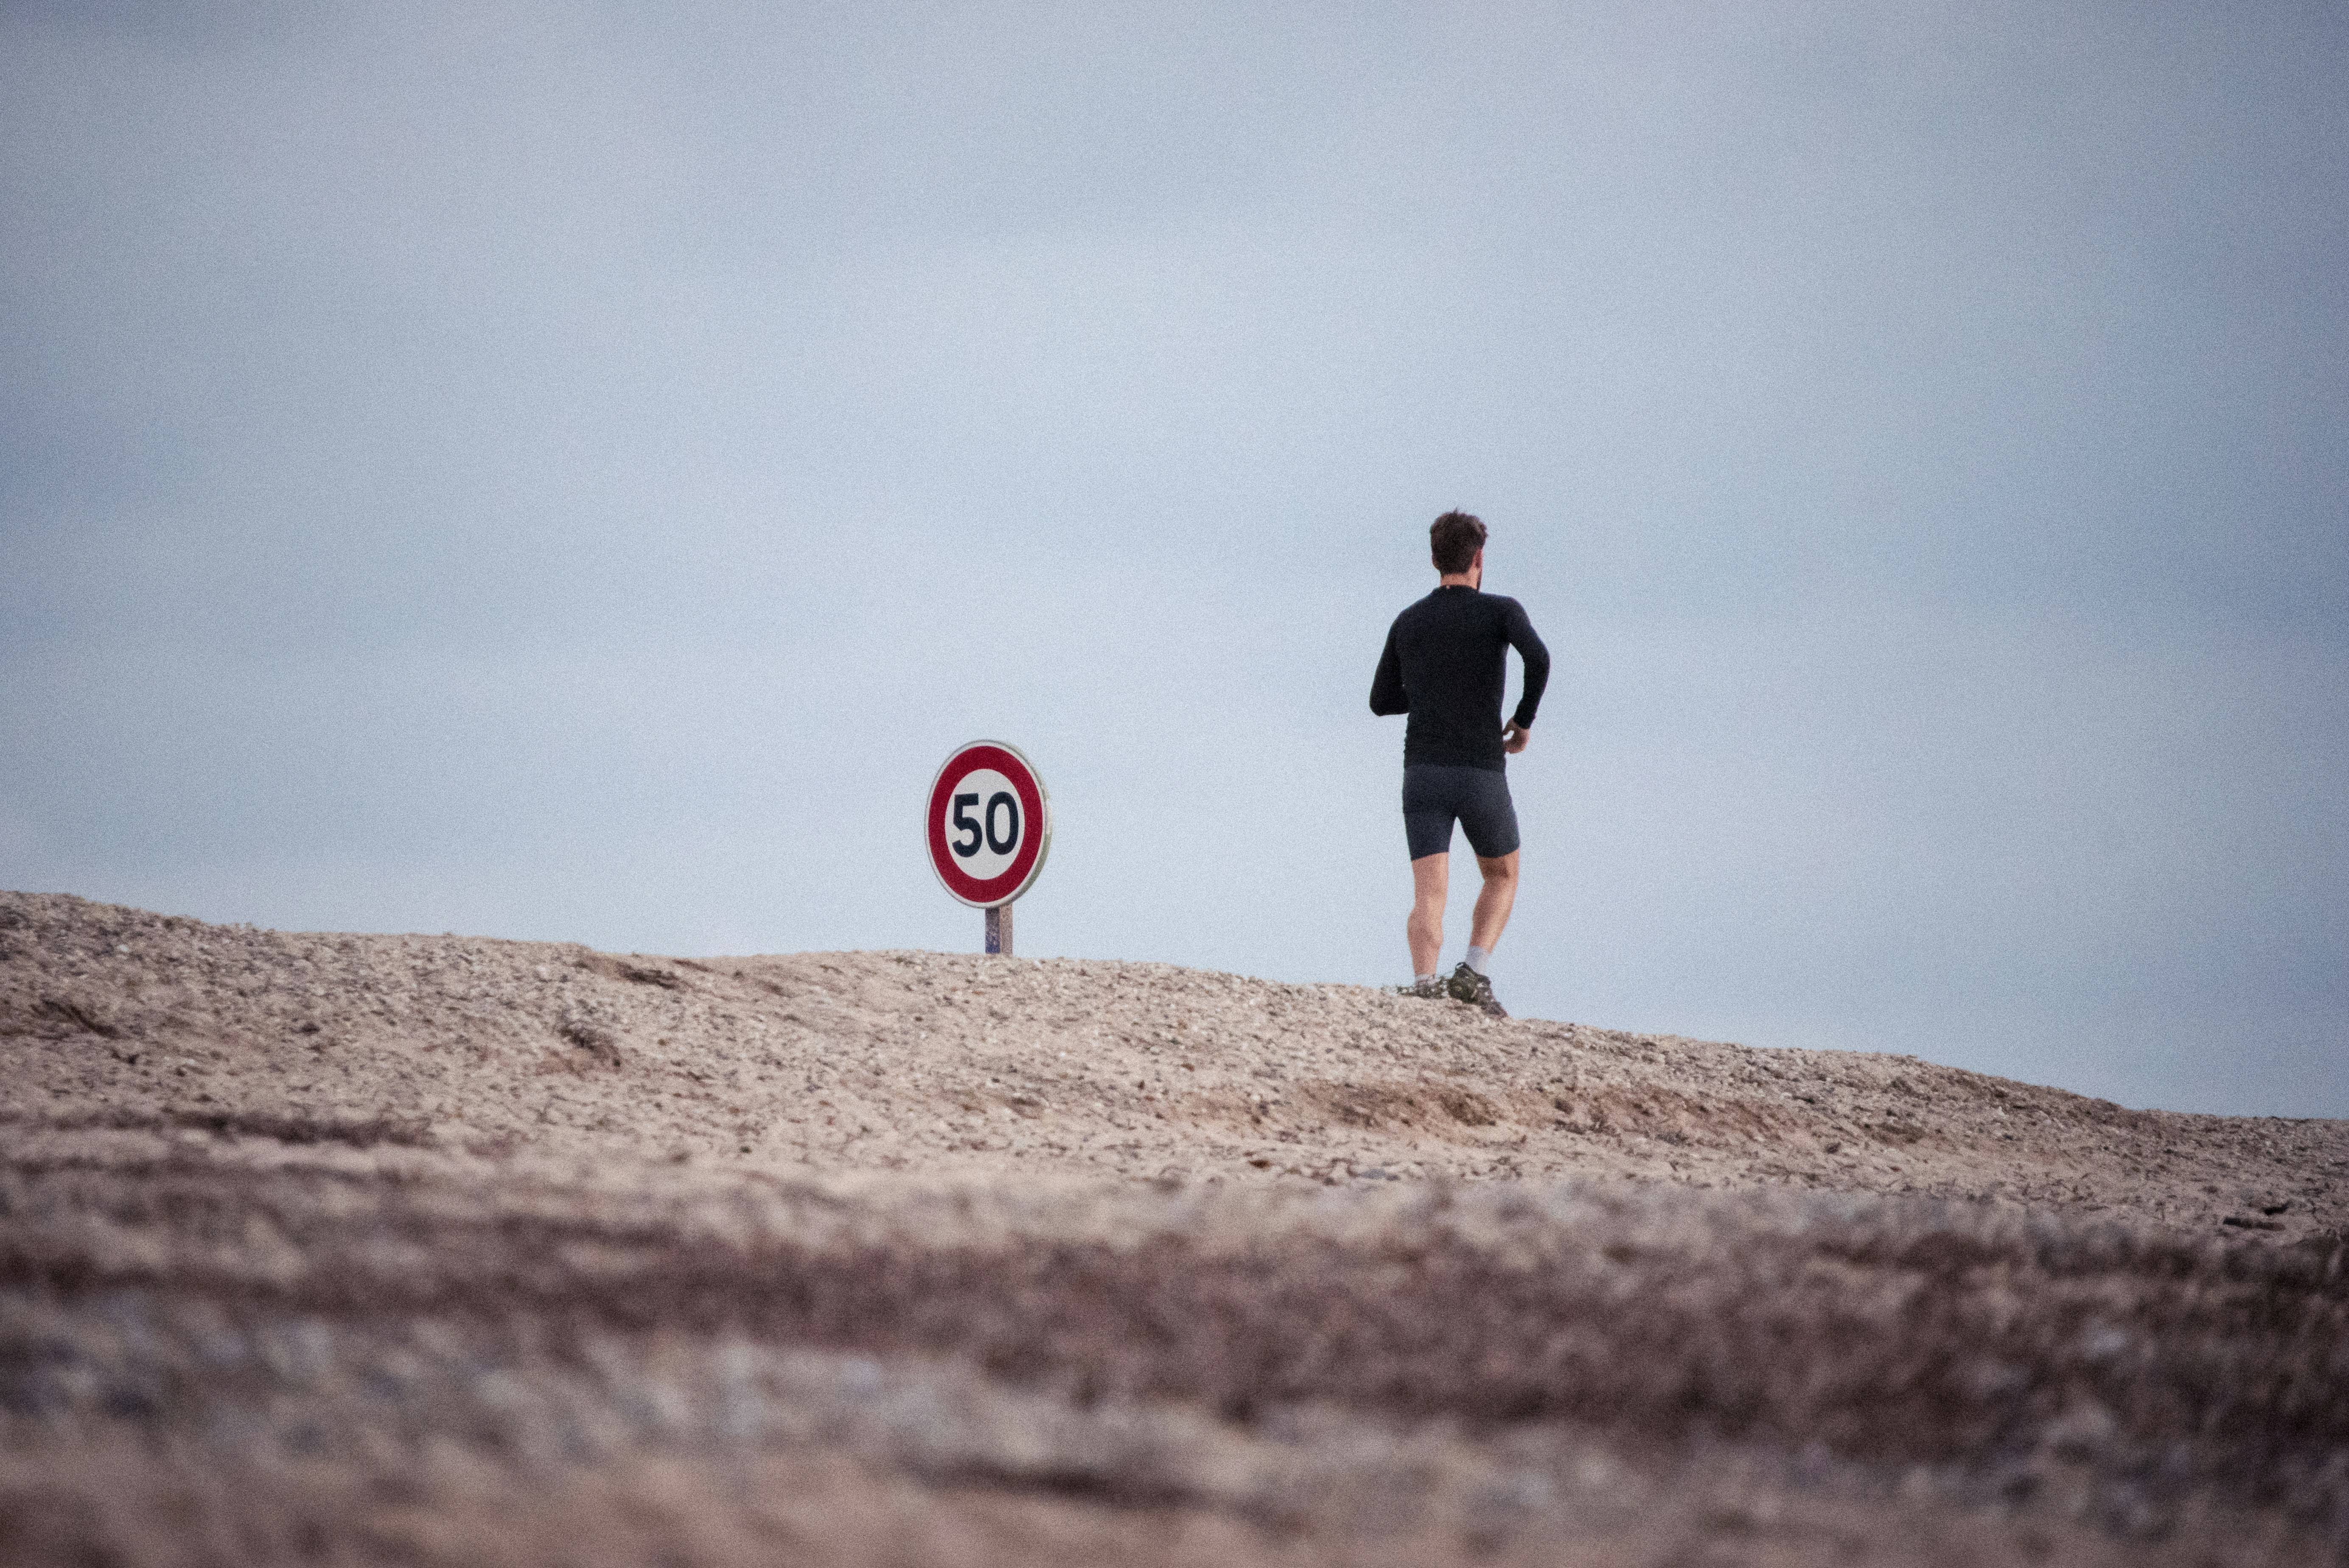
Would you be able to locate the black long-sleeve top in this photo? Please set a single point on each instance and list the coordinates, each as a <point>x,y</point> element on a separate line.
<point>1444,665</point>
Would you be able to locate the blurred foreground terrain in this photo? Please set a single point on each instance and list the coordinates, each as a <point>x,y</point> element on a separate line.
<point>440,1250</point>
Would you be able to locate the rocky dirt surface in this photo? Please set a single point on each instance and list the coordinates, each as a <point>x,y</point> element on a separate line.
<point>330,1248</point>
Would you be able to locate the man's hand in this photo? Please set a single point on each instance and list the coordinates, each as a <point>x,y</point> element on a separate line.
<point>1513,737</point>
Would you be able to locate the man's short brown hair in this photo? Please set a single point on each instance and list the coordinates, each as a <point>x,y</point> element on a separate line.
<point>1457,537</point>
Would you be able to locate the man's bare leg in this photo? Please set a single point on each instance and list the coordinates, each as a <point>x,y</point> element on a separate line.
<point>1472,982</point>
<point>1431,881</point>
<point>1493,905</point>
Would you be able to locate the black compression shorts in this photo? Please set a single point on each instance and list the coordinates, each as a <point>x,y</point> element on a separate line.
<point>1433,796</point>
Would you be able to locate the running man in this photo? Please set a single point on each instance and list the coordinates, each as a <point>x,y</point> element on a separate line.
<point>1444,665</point>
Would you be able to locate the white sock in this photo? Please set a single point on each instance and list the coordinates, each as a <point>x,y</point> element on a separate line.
<point>1478,957</point>
<point>1425,979</point>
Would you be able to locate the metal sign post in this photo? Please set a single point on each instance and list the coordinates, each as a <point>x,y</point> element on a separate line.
<point>999,929</point>
<point>988,829</point>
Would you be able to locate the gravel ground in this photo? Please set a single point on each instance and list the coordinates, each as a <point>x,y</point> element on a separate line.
<point>363,1249</point>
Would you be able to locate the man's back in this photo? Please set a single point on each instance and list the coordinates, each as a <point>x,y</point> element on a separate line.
<point>1444,665</point>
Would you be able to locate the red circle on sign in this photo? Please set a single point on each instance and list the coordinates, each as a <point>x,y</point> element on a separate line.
<point>1033,829</point>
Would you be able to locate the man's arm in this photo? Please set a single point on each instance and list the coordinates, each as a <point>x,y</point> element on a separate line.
<point>1529,648</point>
<point>1387,695</point>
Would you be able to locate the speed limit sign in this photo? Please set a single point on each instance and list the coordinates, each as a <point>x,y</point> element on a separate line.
<point>989,825</point>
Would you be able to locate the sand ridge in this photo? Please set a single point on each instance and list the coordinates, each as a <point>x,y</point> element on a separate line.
<point>946,1063</point>
<point>453,1250</point>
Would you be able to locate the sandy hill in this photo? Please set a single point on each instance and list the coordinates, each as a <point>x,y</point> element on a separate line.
<point>441,1249</point>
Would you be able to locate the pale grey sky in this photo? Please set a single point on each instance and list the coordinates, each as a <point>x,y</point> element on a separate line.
<point>573,472</point>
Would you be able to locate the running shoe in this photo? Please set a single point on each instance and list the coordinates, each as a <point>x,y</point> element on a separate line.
<point>1467,986</point>
<point>1428,990</point>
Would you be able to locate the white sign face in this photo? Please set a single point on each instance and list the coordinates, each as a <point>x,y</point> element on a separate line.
<point>983,824</point>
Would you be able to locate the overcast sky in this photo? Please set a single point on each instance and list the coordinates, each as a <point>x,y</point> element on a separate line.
<point>574,472</point>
